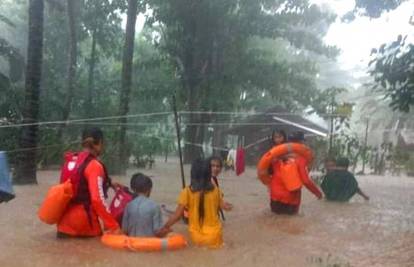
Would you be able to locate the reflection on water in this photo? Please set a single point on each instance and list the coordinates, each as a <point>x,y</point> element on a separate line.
<point>375,233</point>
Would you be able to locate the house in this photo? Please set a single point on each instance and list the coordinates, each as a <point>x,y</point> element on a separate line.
<point>254,132</point>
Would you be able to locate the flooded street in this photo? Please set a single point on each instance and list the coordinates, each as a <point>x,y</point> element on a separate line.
<point>375,233</point>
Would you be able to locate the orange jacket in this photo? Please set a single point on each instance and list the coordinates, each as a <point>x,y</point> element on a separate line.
<point>278,191</point>
<point>76,221</point>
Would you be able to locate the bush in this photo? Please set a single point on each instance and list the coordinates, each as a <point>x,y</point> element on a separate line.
<point>409,166</point>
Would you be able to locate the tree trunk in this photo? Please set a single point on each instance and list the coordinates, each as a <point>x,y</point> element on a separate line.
<point>126,84</point>
<point>217,139</point>
<point>166,155</point>
<point>200,137</point>
<point>192,150</point>
<point>26,161</point>
<point>89,109</point>
<point>71,71</point>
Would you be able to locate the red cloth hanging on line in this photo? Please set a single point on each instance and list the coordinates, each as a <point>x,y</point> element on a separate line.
<point>240,164</point>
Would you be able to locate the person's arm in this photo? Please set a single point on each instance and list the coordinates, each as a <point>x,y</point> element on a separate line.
<point>304,175</point>
<point>159,230</point>
<point>362,194</point>
<point>175,217</point>
<point>179,211</point>
<point>116,185</point>
<point>94,174</point>
<point>224,205</point>
<point>354,183</point>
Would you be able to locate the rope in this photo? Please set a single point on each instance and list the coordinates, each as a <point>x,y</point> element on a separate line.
<point>83,120</point>
<point>189,124</point>
<point>117,124</point>
<point>39,147</point>
<point>202,145</point>
<point>257,142</point>
<point>251,113</point>
<point>184,142</point>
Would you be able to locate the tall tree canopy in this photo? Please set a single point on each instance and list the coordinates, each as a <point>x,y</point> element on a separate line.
<point>210,43</point>
<point>392,66</point>
<point>233,55</point>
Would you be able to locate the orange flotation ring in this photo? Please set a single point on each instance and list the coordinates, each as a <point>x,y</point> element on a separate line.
<point>278,151</point>
<point>173,242</point>
<point>55,203</point>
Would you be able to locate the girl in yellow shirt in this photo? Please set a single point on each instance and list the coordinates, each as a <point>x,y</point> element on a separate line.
<point>203,200</point>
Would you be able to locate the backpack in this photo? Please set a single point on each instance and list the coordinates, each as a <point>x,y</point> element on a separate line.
<point>121,199</point>
<point>73,188</point>
<point>73,167</point>
<point>73,170</point>
<point>55,203</point>
<point>289,173</point>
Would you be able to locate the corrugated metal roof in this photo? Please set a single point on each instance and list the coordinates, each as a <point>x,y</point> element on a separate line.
<point>278,117</point>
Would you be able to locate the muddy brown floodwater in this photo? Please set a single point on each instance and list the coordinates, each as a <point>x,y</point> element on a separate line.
<point>375,233</point>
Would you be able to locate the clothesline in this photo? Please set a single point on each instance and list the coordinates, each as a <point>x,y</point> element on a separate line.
<point>187,124</point>
<point>94,119</point>
<point>83,120</point>
<point>40,147</point>
<point>184,142</point>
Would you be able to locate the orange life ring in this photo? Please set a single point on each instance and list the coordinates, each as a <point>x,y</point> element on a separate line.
<point>278,151</point>
<point>55,203</point>
<point>145,244</point>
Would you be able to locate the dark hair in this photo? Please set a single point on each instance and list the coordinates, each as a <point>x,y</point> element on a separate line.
<point>91,136</point>
<point>297,137</point>
<point>201,182</point>
<point>279,132</point>
<point>140,183</point>
<point>342,162</point>
<point>215,158</point>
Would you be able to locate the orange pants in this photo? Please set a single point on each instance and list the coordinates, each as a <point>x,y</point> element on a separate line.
<point>76,222</point>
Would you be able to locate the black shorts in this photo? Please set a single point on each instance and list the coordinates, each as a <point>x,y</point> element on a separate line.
<point>282,208</point>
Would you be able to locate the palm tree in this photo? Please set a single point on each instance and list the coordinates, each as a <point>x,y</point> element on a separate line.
<point>71,71</point>
<point>26,160</point>
<point>12,54</point>
<point>126,83</point>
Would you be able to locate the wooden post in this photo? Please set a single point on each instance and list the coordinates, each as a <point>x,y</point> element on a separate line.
<point>331,131</point>
<point>365,147</point>
<point>177,127</point>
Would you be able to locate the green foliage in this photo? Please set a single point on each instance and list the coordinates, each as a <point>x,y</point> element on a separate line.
<point>10,86</point>
<point>214,55</point>
<point>102,19</point>
<point>392,66</point>
<point>372,8</point>
<point>234,31</point>
<point>13,56</point>
<point>409,165</point>
<point>393,73</point>
<point>327,100</point>
<point>4,82</point>
<point>6,21</point>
